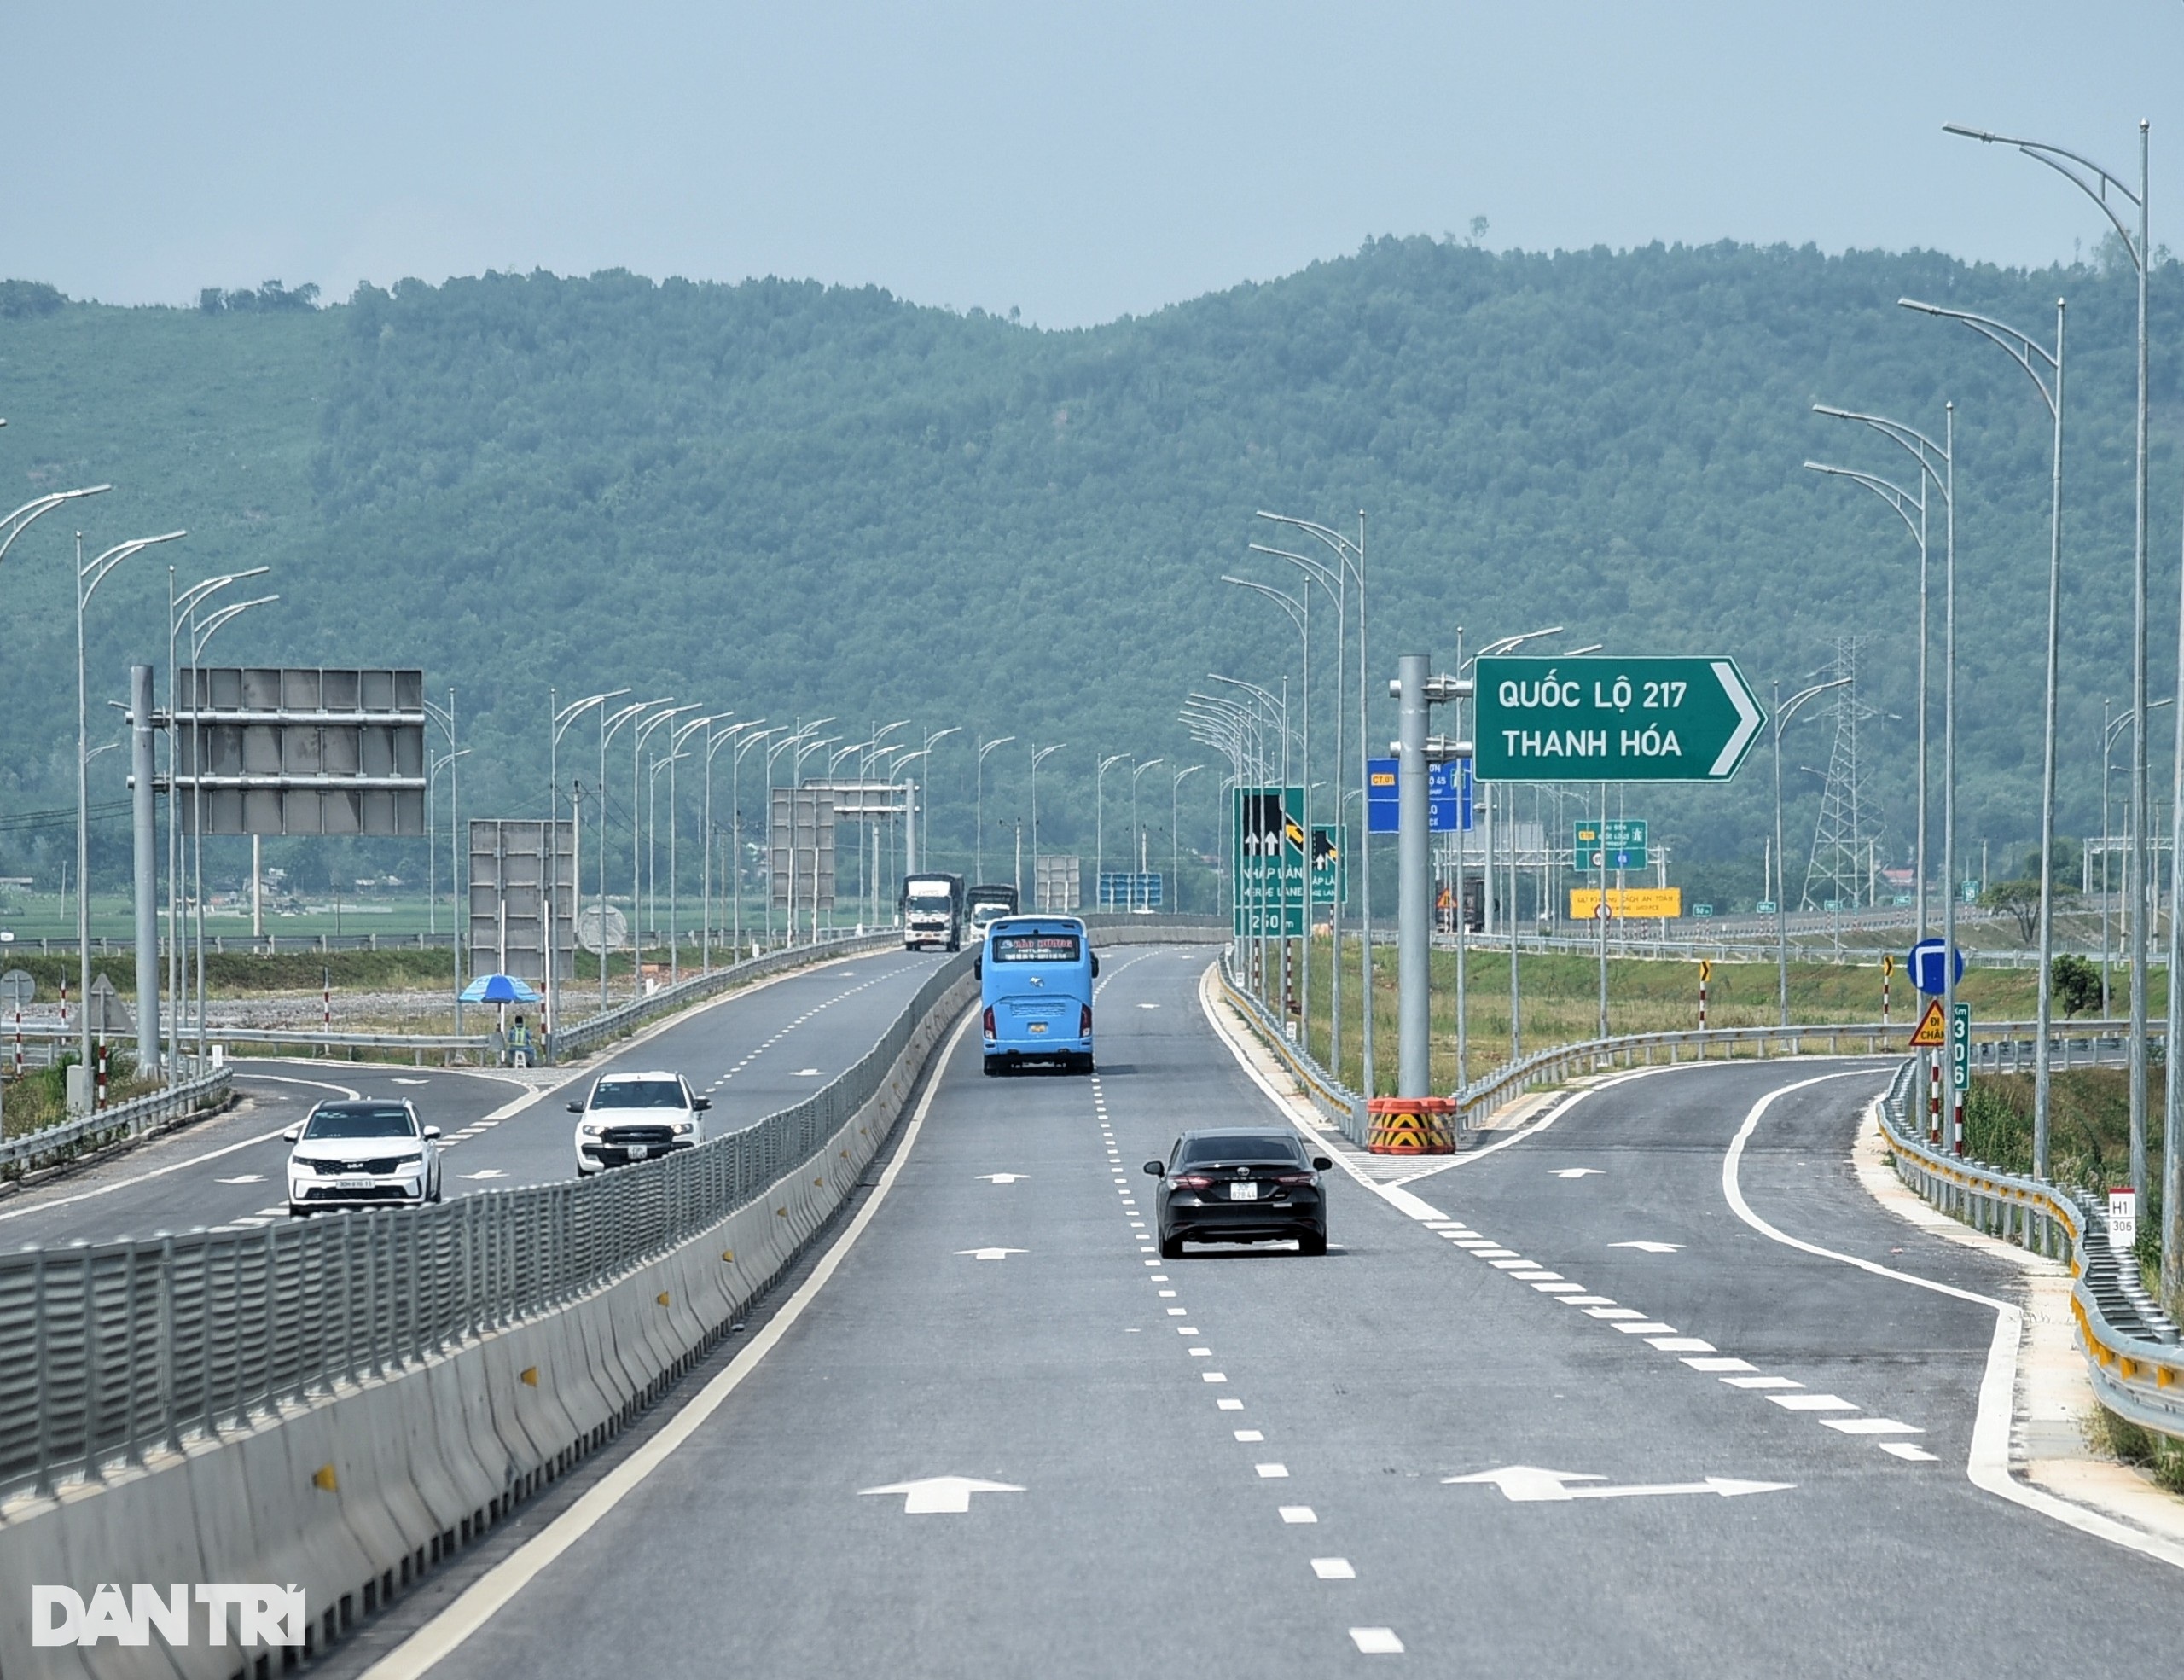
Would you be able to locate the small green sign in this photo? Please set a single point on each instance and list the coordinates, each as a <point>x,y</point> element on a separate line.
<point>1959,1049</point>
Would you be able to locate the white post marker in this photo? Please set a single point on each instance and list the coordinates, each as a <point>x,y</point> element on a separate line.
<point>1525,1483</point>
<point>939,1496</point>
<point>2123,1219</point>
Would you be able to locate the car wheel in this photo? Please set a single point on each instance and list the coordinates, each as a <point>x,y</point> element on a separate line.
<point>296,1212</point>
<point>1312,1242</point>
<point>992,1066</point>
<point>1171,1249</point>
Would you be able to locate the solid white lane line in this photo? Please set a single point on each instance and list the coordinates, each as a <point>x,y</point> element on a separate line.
<point>477,1606</point>
<point>1988,1466</point>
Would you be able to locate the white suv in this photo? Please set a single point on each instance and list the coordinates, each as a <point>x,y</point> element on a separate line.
<point>632,1116</point>
<point>367,1153</point>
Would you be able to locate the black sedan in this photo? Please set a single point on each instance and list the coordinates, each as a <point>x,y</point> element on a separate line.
<point>1240,1184</point>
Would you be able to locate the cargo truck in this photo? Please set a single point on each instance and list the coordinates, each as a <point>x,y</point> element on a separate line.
<point>932,906</point>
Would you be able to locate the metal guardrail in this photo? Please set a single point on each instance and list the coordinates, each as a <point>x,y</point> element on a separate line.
<point>112,1350</point>
<point>132,1118</point>
<point>2132,1354</point>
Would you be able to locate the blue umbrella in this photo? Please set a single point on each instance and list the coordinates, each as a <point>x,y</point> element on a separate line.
<point>498,989</point>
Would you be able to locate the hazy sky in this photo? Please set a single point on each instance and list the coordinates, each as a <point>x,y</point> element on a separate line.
<point>1078,162</point>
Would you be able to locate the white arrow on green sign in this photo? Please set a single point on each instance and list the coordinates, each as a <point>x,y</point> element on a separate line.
<point>1613,720</point>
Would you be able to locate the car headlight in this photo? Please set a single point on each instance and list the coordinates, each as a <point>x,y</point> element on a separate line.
<point>686,1125</point>
<point>588,1129</point>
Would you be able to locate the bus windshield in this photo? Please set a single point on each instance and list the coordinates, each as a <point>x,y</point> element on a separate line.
<point>1038,948</point>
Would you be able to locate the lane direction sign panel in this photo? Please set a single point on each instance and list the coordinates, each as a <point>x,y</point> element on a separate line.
<point>1599,719</point>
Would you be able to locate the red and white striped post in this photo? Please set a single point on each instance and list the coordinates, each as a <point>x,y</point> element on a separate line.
<point>1705,973</point>
<point>1887,969</point>
<point>1934,1100</point>
<point>326,1007</point>
<point>98,1100</point>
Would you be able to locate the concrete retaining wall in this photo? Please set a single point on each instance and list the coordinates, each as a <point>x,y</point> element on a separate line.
<point>357,1494</point>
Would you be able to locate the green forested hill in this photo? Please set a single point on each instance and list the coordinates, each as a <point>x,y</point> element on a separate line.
<point>791,499</point>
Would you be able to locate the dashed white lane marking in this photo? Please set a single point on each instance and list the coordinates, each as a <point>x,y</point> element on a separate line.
<point>1871,1425</point>
<point>1376,1641</point>
<point>1250,1434</point>
<point>990,1253</point>
<point>1723,1363</point>
<point>246,1178</point>
<point>1680,1344</point>
<point>1003,1178</point>
<point>1577,1171</point>
<point>1612,1313</point>
<point>1213,1376</point>
<point>1904,1450</point>
<point>1649,1327</point>
<point>1761,1382</point>
<point>1228,1405</point>
<point>1651,1247</point>
<point>1333,1569</point>
<point>1812,1403</point>
<point>1202,1352</point>
<point>1298,1513</point>
<point>1272,1473</point>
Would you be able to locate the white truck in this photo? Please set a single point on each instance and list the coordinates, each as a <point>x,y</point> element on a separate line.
<point>932,906</point>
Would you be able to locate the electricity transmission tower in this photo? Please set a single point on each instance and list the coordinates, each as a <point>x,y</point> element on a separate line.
<point>1841,864</point>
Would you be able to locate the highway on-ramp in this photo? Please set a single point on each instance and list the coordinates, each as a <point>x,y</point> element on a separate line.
<point>752,1052</point>
<point>1559,1409</point>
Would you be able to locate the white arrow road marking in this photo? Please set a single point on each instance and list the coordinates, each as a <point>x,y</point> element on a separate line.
<point>1003,1178</point>
<point>991,1253</point>
<point>1526,1483</point>
<point>1650,1247</point>
<point>938,1496</point>
<point>1578,1172</point>
<point>487,1173</point>
<point>246,1179</point>
<point>1748,718</point>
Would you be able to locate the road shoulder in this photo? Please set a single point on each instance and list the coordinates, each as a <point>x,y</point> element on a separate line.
<point>2054,1398</point>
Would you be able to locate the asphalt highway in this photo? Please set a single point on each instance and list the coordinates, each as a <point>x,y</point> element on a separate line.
<point>752,1053</point>
<point>1565,1413</point>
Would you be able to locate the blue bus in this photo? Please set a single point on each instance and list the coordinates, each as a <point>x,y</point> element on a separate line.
<point>1037,974</point>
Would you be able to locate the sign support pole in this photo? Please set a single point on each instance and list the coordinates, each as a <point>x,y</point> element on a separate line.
<point>1414,884</point>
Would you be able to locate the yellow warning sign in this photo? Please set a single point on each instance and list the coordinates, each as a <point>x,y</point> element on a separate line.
<point>1932,1034</point>
<point>1631,901</point>
<point>1887,966</point>
<point>1705,969</point>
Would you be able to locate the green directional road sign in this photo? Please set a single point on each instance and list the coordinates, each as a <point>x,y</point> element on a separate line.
<point>1330,865</point>
<point>1613,720</point>
<point>1268,859</point>
<point>1616,844</point>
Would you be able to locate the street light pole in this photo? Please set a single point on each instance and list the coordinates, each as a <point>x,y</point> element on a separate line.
<point>1038,756</point>
<point>1175,831</point>
<point>978,816</point>
<point>713,744</point>
<point>1351,556</point>
<point>550,849</point>
<point>681,733</point>
<point>608,728</point>
<point>1100,820</point>
<point>1912,509</point>
<point>2100,185</point>
<point>201,637</point>
<point>1136,834</point>
<point>89,575</point>
<point>924,811</point>
<point>2033,358</point>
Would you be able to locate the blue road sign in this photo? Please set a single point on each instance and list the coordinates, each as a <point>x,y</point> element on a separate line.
<point>1924,963</point>
<point>1449,796</point>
